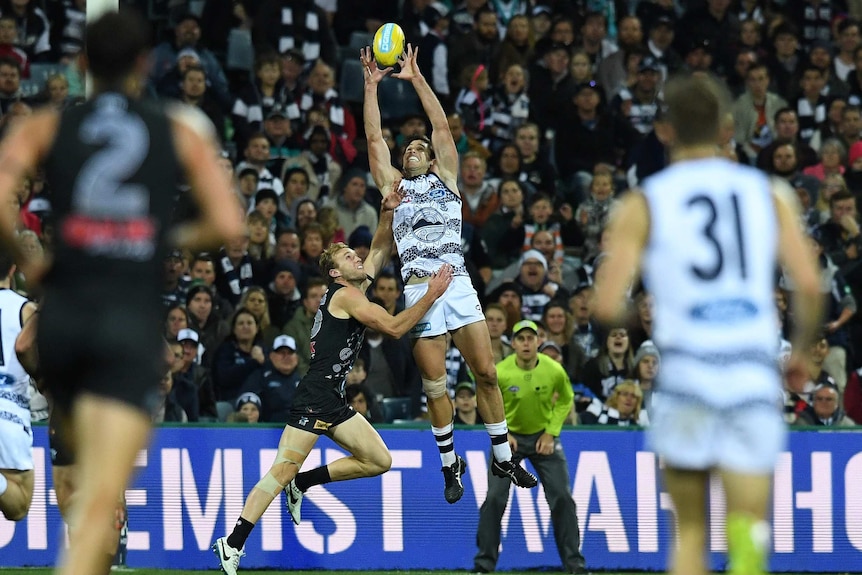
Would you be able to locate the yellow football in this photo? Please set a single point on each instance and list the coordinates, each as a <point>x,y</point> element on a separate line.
<point>388,44</point>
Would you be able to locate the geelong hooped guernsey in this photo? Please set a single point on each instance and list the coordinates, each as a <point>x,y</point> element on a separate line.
<point>14,381</point>
<point>427,227</point>
<point>710,263</point>
<point>335,343</point>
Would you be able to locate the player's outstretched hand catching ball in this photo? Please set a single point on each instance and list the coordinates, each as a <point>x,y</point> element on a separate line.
<point>373,74</point>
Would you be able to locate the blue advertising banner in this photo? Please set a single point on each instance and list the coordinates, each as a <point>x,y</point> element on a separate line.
<point>192,483</point>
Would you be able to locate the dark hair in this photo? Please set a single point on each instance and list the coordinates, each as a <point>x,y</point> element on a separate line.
<point>840,196</point>
<point>694,109</point>
<point>313,281</point>
<point>11,62</point>
<point>238,312</point>
<point>114,43</point>
<point>421,138</point>
<point>296,170</point>
<point>194,68</point>
<point>265,58</point>
<point>6,262</point>
<point>782,111</point>
<point>485,9</point>
<point>847,23</point>
<point>203,257</point>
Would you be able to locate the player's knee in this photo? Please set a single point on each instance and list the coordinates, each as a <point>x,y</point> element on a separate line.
<point>16,511</point>
<point>380,463</point>
<point>435,388</point>
<point>485,373</point>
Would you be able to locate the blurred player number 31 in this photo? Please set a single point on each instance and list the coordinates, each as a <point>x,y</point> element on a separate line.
<point>388,44</point>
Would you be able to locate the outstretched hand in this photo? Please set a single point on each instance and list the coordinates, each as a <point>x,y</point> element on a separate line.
<point>408,64</point>
<point>394,197</point>
<point>373,74</point>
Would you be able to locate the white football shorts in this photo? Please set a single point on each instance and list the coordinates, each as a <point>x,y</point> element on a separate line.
<point>458,307</point>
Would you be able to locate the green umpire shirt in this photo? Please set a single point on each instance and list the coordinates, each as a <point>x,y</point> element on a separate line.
<point>535,400</point>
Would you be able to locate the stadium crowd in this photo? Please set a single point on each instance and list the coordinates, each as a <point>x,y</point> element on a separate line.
<point>556,110</point>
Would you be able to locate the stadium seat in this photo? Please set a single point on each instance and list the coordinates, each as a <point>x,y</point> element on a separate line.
<point>352,84</point>
<point>224,409</point>
<point>397,99</point>
<point>395,408</point>
<point>359,40</point>
<point>240,52</point>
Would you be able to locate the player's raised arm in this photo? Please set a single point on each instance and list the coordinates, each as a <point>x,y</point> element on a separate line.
<point>378,152</point>
<point>797,258</point>
<point>377,318</point>
<point>27,143</point>
<point>383,241</point>
<point>221,214</point>
<point>441,137</point>
<point>627,235</point>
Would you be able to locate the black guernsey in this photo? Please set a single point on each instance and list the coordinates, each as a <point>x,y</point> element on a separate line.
<point>335,344</point>
<point>113,172</point>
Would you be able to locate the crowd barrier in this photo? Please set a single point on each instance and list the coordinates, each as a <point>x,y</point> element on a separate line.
<point>192,482</point>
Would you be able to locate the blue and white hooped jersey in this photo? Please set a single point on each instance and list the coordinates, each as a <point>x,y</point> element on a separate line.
<point>710,262</point>
<point>427,227</point>
<point>14,381</point>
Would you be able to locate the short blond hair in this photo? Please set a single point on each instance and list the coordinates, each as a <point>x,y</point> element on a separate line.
<point>327,258</point>
<point>634,387</point>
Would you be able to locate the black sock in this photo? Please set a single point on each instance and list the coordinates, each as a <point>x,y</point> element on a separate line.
<point>241,531</point>
<point>317,476</point>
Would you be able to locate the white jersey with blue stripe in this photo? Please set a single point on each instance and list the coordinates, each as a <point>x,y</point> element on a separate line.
<point>14,381</point>
<point>710,262</point>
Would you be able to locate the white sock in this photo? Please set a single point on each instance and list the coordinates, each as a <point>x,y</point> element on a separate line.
<point>499,433</point>
<point>445,443</point>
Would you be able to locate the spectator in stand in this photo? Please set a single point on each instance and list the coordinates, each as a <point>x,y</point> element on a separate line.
<point>176,319</point>
<point>745,59</point>
<point>275,381</point>
<point>639,104</point>
<point>33,28</point>
<point>612,365</point>
<point>558,326</point>
<point>478,46</point>
<point>8,41</point>
<point>825,409</point>
<point>534,161</point>
<point>256,99</point>
<point>832,158</point>
<point>853,396</point>
<point>194,92</point>
<point>505,164</point>
<point>479,197</point>
<point>580,67</point>
<point>192,375</point>
<point>647,362</point>
<point>203,271</point>
<point>360,241</point>
<point>255,301</point>
<point>299,326</point>
<point>287,245</point>
<point>815,19</point>
<point>283,294</point>
<point>387,290</point>
<point>594,38</point>
<point>237,356</point>
<point>755,111</point>
<point>466,412</point>
<point>474,99</point>
<point>495,318</point>
<point>281,25</point>
<point>812,105</point>
<point>10,84</point>
<point>660,44</point>
<point>786,64</point>
<point>174,288</point>
<point>550,84</point>
<point>517,47</point>
<point>284,141</point>
<point>537,290</point>
<point>612,71</point>
<point>463,141</point>
<point>509,107</point>
<point>847,37</point>
<point>624,407</point>
<point>187,35</point>
<point>850,126</point>
<point>325,170</point>
<point>248,406</point>
<point>503,230</point>
<point>586,136</point>
<point>234,272</point>
<point>167,409</point>
<point>592,214</point>
<point>352,208</point>
<point>56,92</point>
<point>840,235</point>
<point>321,93</point>
<point>713,22</point>
<point>831,185</point>
<point>641,328</point>
<point>204,320</point>
<point>297,187</point>
<point>786,124</point>
<point>257,156</point>
<point>433,47</point>
<point>292,66</point>
<point>327,217</point>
